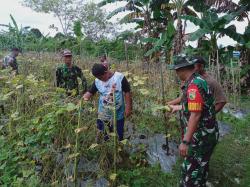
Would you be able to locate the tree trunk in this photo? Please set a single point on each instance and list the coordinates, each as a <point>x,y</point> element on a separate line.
<point>178,38</point>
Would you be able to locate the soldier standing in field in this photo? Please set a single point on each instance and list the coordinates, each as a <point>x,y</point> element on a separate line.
<point>216,89</point>
<point>67,74</point>
<point>198,123</point>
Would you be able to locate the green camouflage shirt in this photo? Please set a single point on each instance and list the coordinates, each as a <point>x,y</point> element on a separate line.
<point>207,129</point>
<point>67,78</point>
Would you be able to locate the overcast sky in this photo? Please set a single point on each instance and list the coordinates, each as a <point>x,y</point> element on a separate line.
<point>26,17</point>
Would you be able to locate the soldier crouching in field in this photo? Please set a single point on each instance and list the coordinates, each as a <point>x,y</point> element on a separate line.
<point>198,123</point>
<point>10,60</point>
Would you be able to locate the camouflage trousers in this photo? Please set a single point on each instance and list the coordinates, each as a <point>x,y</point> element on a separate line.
<point>194,169</point>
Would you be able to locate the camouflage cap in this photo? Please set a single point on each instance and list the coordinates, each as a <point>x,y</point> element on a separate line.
<point>181,61</point>
<point>199,59</point>
<point>67,52</point>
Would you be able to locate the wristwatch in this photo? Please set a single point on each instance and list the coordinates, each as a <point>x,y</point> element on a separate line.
<point>185,142</point>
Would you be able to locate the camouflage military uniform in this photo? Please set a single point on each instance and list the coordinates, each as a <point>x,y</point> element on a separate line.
<point>67,78</point>
<point>197,98</point>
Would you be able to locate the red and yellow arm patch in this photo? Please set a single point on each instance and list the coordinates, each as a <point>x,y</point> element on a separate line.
<point>195,100</point>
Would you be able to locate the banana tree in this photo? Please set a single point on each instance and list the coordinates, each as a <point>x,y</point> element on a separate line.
<point>15,35</point>
<point>151,19</point>
<point>214,26</point>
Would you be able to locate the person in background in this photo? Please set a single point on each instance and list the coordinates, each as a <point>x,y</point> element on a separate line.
<point>67,74</point>
<point>108,83</point>
<point>10,60</point>
<point>104,61</point>
<point>198,123</point>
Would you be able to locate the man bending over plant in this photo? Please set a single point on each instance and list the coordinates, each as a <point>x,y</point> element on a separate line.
<point>110,84</point>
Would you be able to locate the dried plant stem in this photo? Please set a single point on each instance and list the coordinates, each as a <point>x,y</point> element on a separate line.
<point>115,129</point>
<point>76,145</point>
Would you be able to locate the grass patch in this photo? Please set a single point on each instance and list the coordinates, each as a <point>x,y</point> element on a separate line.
<point>230,163</point>
<point>146,176</point>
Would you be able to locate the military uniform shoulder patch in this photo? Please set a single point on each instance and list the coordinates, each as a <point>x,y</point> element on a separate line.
<point>192,94</point>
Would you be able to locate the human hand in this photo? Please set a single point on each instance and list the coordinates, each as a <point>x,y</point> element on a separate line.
<point>183,149</point>
<point>175,108</point>
<point>86,96</point>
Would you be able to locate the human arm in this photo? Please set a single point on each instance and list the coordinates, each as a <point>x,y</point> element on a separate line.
<point>219,95</point>
<point>191,128</point>
<point>90,92</point>
<point>195,105</point>
<point>175,101</point>
<point>219,106</point>
<point>128,104</point>
<point>128,97</point>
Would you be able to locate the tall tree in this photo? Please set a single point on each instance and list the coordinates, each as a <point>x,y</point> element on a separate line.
<point>94,22</point>
<point>64,10</point>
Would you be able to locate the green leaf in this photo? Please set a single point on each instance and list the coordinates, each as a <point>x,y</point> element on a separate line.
<point>198,34</point>
<point>248,45</point>
<point>3,166</point>
<point>19,86</point>
<point>77,28</point>
<point>170,30</point>
<point>71,107</point>
<point>194,20</point>
<point>7,96</point>
<point>93,146</point>
<point>125,141</point>
<point>149,40</point>
<point>160,108</point>
<point>151,51</point>
<point>144,91</point>
<point>73,155</point>
<point>231,32</point>
<point>14,115</point>
<point>113,176</point>
<point>119,10</point>
<point>27,173</point>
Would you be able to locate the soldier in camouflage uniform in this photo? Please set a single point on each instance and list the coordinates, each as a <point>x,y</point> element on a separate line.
<point>10,60</point>
<point>66,75</point>
<point>198,122</point>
